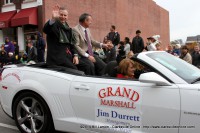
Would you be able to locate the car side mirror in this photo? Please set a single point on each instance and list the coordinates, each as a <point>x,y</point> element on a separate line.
<point>152,77</point>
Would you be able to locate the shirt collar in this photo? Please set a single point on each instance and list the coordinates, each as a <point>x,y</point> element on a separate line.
<point>83,28</point>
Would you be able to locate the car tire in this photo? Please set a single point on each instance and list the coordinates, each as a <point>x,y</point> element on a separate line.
<point>31,114</point>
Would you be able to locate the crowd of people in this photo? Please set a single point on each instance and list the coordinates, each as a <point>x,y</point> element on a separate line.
<point>75,48</point>
<point>35,48</point>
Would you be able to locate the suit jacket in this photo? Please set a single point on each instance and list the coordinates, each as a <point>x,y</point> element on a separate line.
<point>56,50</point>
<point>81,41</point>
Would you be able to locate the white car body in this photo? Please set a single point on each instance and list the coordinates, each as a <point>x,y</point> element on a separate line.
<point>85,104</point>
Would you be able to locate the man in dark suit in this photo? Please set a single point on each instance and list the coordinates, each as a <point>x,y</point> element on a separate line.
<point>113,35</point>
<point>60,40</point>
<point>137,45</point>
<point>32,52</point>
<point>85,44</point>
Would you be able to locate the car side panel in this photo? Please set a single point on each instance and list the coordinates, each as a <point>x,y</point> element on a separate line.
<point>161,109</point>
<point>190,108</point>
<point>54,90</point>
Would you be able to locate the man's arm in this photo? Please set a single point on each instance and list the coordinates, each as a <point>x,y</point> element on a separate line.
<point>55,15</point>
<point>47,29</point>
<point>142,45</point>
<point>96,43</point>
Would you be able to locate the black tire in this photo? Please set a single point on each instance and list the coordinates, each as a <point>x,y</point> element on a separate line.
<point>30,112</point>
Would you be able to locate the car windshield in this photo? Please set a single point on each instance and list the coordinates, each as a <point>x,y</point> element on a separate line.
<point>181,68</point>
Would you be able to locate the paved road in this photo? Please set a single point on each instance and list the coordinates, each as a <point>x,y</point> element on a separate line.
<point>7,125</point>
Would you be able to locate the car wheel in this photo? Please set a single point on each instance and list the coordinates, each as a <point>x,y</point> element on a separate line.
<point>31,114</point>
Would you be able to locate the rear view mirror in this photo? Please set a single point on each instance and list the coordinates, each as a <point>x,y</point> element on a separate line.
<point>152,77</point>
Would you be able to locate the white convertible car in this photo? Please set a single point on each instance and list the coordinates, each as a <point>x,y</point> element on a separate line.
<point>165,98</point>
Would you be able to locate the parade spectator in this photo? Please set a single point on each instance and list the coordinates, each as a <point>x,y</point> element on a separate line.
<point>169,49</point>
<point>126,69</point>
<point>130,55</point>
<point>127,45</point>
<point>24,58</point>
<point>113,35</point>
<point>110,54</point>
<point>28,38</point>
<point>148,43</point>
<point>177,51</point>
<point>40,47</point>
<point>137,45</point>
<point>3,52</point>
<point>105,40</point>
<point>33,39</point>
<point>196,56</point>
<point>154,40</point>
<point>158,46</point>
<point>17,58</point>
<point>16,47</point>
<point>121,53</point>
<point>84,45</point>
<point>60,40</point>
<point>185,55</point>
<point>9,47</point>
<point>3,56</point>
<point>32,52</point>
<point>99,52</point>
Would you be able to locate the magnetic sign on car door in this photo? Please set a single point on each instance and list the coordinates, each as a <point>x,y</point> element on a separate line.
<point>130,94</point>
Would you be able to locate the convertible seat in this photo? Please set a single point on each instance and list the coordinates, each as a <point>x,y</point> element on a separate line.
<point>111,69</point>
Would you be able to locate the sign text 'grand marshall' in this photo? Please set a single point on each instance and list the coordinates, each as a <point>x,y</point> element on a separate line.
<point>130,94</point>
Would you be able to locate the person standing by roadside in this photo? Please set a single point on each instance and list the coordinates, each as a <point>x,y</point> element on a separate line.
<point>33,39</point>
<point>113,35</point>
<point>126,45</point>
<point>176,50</point>
<point>60,40</point>
<point>185,55</point>
<point>16,52</point>
<point>40,45</point>
<point>32,52</point>
<point>154,40</point>
<point>170,49</point>
<point>3,56</point>
<point>16,48</point>
<point>137,45</point>
<point>9,47</point>
<point>196,56</point>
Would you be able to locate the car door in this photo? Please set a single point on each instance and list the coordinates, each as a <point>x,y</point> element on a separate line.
<point>101,103</point>
<point>117,105</point>
<point>161,109</point>
<point>190,108</point>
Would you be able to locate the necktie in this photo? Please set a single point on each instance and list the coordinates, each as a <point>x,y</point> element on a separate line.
<point>89,44</point>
